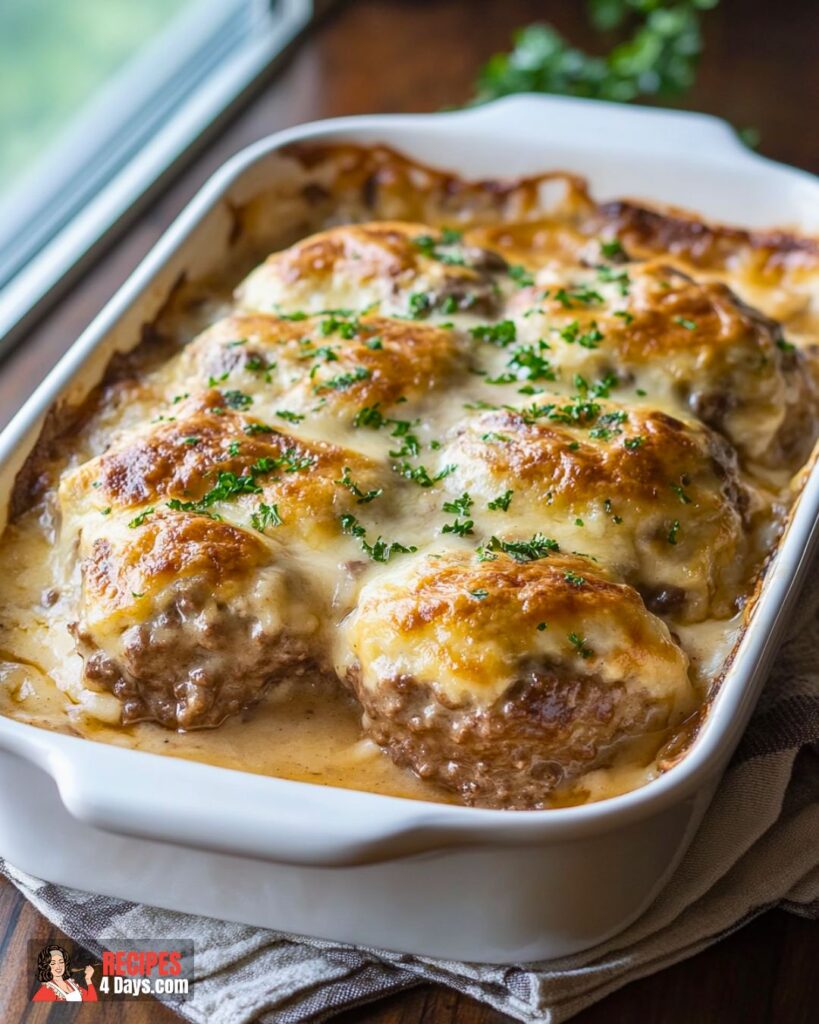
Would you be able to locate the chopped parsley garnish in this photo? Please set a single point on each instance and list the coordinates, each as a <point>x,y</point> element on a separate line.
<point>380,550</point>
<point>500,334</point>
<point>435,249</point>
<point>578,412</point>
<point>521,276</point>
<point>140,519</point>
<point>233,449</point>
<point>362,497</point>
<point>215,381</point>
<point>267,515</point>
<point>784,346</point>
<point>288,416</point>
<point>674,532</point>
<point>521,550</point>
<point>459,506</point>
<point>105,511</point>
<point>297,315</point>
<point>580,293</point>
<point>579,644</point>
<point>501,503</point>
<point>236,399</point>
<point>608,425</point>
<point>684,498</point>
<point>689,325</point>
<point>526,363</point>
<point>574,579</point>
<point>191,441</point>
<point>493,435</point>
<point>229,485</point>
<point>343,380</point>
<point>420,475</point>
<point>600,389</point>
<point>609,276</point>
<point>542,626</point>
<point>462,529</point>
<point>480,404</point>
<point>340,322</point>
<point>257,428</point>
<point>323,352</point>
<point>375,343</point>
<point>612,249</point>
<point>625,316</point>
<point>370,416</point>
<point>410,444</point>
<point>420,305</point>
<point>633,443</point>
<point>591,339</point>
<point>255,364</point>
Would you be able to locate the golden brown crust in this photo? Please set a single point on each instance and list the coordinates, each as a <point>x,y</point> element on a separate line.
<point>379,264</point>
<point>166,548</point>
<point>502,679</point>
<point>706,246</point>
<point>690,344</point>
<point>656,498</point>
<point>184,462</point>
<point>331,364</point>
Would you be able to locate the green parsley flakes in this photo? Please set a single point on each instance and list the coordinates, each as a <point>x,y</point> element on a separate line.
<point>343,380</point>
<point>501,334</point>
<point>380,550</point>
<point>579,644</point>
<point>362,497</point>
<point>521,550</point>
<point>521,276</point>
<point>501,503</point>
<point>140,519</point>
<point>266,515</point>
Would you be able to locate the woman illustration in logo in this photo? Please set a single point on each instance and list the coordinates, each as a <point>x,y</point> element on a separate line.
<point>53,971</point>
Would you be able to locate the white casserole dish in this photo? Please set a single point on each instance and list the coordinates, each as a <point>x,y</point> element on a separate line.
<point>433,879</point>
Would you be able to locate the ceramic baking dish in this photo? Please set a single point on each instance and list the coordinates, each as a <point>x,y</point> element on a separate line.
<point>441,880</point>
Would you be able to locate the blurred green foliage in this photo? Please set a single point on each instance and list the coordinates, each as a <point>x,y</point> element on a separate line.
<point>54,54</point>
<point>658,56</point>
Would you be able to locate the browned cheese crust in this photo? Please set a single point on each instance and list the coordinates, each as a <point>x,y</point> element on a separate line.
<point>503,679</point>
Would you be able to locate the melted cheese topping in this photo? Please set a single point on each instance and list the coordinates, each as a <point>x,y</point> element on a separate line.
<point>425,461</point>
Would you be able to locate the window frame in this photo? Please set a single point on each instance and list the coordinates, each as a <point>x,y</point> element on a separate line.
<point>93,182</point>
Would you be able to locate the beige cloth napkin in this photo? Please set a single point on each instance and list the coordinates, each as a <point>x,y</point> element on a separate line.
<point>758,847</point>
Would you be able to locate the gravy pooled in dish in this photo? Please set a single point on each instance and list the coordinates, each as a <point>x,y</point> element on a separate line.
<point>460,495</point>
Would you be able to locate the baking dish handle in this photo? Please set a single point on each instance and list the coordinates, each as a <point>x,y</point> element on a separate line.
<point>626,127</point>
<point>172,800</point>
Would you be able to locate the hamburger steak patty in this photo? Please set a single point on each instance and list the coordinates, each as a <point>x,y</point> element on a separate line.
<point>501,679</point>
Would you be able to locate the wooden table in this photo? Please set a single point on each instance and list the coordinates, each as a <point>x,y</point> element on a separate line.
<point>761,70</point>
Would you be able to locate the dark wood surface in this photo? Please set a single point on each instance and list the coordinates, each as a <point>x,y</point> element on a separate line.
<point>761,70</point>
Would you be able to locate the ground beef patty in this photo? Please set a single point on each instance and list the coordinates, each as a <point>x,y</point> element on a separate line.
<point>187,620</point>
<point>501,679</point>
